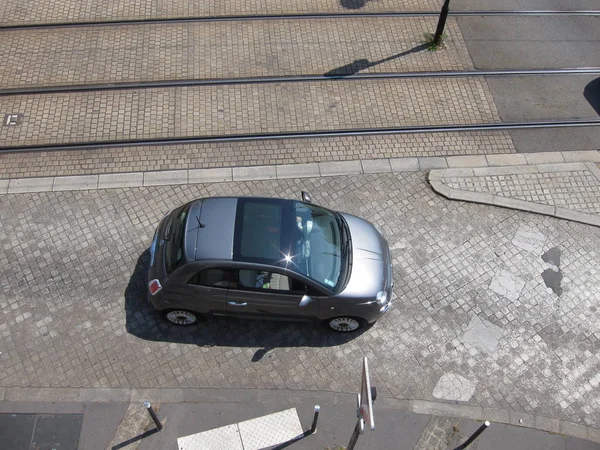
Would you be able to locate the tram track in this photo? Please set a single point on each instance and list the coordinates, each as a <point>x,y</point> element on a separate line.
<point>481,127</point>
<point>314,16</point>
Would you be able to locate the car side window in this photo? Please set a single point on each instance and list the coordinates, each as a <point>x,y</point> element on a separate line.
<point>268,281</point>
<point>213,277</point>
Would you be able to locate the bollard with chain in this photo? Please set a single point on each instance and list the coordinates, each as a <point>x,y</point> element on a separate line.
<point>313,427</point>
<point>474,436</point>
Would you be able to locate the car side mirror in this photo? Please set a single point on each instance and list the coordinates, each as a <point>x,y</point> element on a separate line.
<point>306,197</point>
<point>306,300</point>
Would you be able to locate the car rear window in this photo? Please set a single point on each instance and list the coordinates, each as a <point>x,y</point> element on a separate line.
<point>174,237</point>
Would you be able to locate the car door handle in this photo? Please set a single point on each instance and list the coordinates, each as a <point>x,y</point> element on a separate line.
<point>238,304</point>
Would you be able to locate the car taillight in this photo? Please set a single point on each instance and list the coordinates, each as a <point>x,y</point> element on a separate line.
<point>154,286</point>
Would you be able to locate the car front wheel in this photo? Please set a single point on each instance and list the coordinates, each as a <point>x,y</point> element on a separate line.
<point>181,317</point>
<point>345,324</point>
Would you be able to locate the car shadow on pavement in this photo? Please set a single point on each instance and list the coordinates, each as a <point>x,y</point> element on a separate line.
<point>592,94</point>
<point>143,321</point>
<point>353,4</point>
<point>362,64</point>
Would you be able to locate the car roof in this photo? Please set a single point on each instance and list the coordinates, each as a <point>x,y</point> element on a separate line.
<point>250,229</point>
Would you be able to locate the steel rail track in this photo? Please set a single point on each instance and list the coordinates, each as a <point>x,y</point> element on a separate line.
<point>294,17</point>
<point>293,79</point>
<point>572,123</point>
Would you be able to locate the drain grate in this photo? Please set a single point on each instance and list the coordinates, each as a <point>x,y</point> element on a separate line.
<point>10,120</point>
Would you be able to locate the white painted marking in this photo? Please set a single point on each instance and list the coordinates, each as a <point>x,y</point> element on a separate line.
<point>529,239</point>
<point>507,285</point>
<point>454,387</point>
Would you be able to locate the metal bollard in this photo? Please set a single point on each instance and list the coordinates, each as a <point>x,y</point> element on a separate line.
<point>313,427</point>
<point>153,415</point>
<point>474,436</point>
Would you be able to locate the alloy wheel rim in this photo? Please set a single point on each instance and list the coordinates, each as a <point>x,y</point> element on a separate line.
<point>181,317</point>
<point>344,324</point>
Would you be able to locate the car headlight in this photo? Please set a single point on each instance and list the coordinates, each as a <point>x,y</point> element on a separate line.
<point>382,297</point>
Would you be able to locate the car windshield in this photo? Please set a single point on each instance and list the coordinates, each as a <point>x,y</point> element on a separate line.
<point>317,244</point>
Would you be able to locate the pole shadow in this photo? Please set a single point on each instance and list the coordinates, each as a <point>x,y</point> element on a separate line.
<point>139,437</point>
<point>362,64</point>
<point>592,94</point>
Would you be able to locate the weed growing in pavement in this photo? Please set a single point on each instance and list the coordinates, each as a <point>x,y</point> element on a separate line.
<point>431,45</point>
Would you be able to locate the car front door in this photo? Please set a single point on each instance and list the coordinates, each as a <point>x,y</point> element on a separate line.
<point>204,291</point>
<point>269,294</point>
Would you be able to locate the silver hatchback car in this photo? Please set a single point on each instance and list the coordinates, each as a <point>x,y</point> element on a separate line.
<point>269,258</point>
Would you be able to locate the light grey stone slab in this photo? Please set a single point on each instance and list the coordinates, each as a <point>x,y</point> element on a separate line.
<point>376,165</point>
<point>496,415</point>
<point>544,158</point>
<point>503,170</point>
<point>506,160</point>
<point>436,174</point>
<point>405,164</point>
<point>454,387</point>
<point>432,162</point>
<point>340,168</point>
<point>105,395</point>
<point>593,434</point>
<point>165,178</point>
<point>507,285</point>
<point>212,175</point>
<point>547,424</point>
<point>22,185</point>
<point>529,239</point>
<point>585,155</point>
<point>473,197</point>
<point>577,216</point>
<point>4,186</point>
<point>482,334</point>
<point>41,394</point>
<point>451,173</point>
<point>75,183</point>
<point>573,429</point>
<point>522,419</point>
<point>120,180</point>
<point>522,205</point>
<point>447,409</point>
<point>592,167</point>
<point>298,170</point>
<point>562,167</point>
<point>466,161</point>
<point>254,173</point>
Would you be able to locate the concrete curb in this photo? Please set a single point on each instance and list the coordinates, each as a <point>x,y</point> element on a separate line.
<point>534,163</point>
<point>210,395</point>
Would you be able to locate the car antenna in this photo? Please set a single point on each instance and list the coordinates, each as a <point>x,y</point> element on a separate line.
<point>200,224</point>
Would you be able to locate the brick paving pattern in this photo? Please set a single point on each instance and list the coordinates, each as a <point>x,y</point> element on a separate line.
<point>578,190</point>
<point>74,313</point>
<point>232,154</point>
<point>53,11</point>
<point>223,50</point>
<point>437,435</point>
<point>236,109</point>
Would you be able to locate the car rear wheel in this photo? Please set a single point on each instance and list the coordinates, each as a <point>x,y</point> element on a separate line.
<point>181,317</point>
<point>345,324</point>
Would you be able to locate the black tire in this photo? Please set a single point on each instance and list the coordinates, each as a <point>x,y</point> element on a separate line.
<point>181,317</point>
<point>345,324</point>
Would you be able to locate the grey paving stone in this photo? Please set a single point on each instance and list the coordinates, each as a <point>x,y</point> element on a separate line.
<point>35,394</point>
<point>594,434</point>
<point>165,178</point>
<point>447,409</point>
<point>254,173</point>
<point>503,170</point>
<point>405,164</point>
<point>506,160</point>
<point>496,415</point>
<point>4,186</point>
<point>432,162</point>
<point>586,155</point>
<point>548,424</point>
<point>522,205</point>
<point>544,158</point>
<point>215,175</point>
<point>120,180</point>
<point>376,165</point>
<point>454,387</point>
<point>522,419</point>
<point>298,170</point>
<point>451,173</point>
<point>466,161</point>
<point>469,196</point>
<point>576,216</point>
<point>482,334</point>
<point>104,395</point>
<point>22,185</point>
<point>562,167</point>
<point>328,169</point>
<point>594,169</point>
<point>75,183</point>
<point>573,429</point>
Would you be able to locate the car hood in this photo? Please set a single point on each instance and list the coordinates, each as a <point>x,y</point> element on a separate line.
<point>370,270</point>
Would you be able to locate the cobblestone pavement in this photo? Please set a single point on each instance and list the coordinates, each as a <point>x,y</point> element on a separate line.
<point>52,11</point>
<point>472,320</point>
<point>224,50</point>
<point>235,109</point>
<point>293,151</point>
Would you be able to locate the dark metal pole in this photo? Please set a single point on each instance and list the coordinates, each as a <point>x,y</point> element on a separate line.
<point>153,415</point>
<point>313,427</point>
<point>474,436</point>
<point>354,437</point>
<point>437,38</point>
